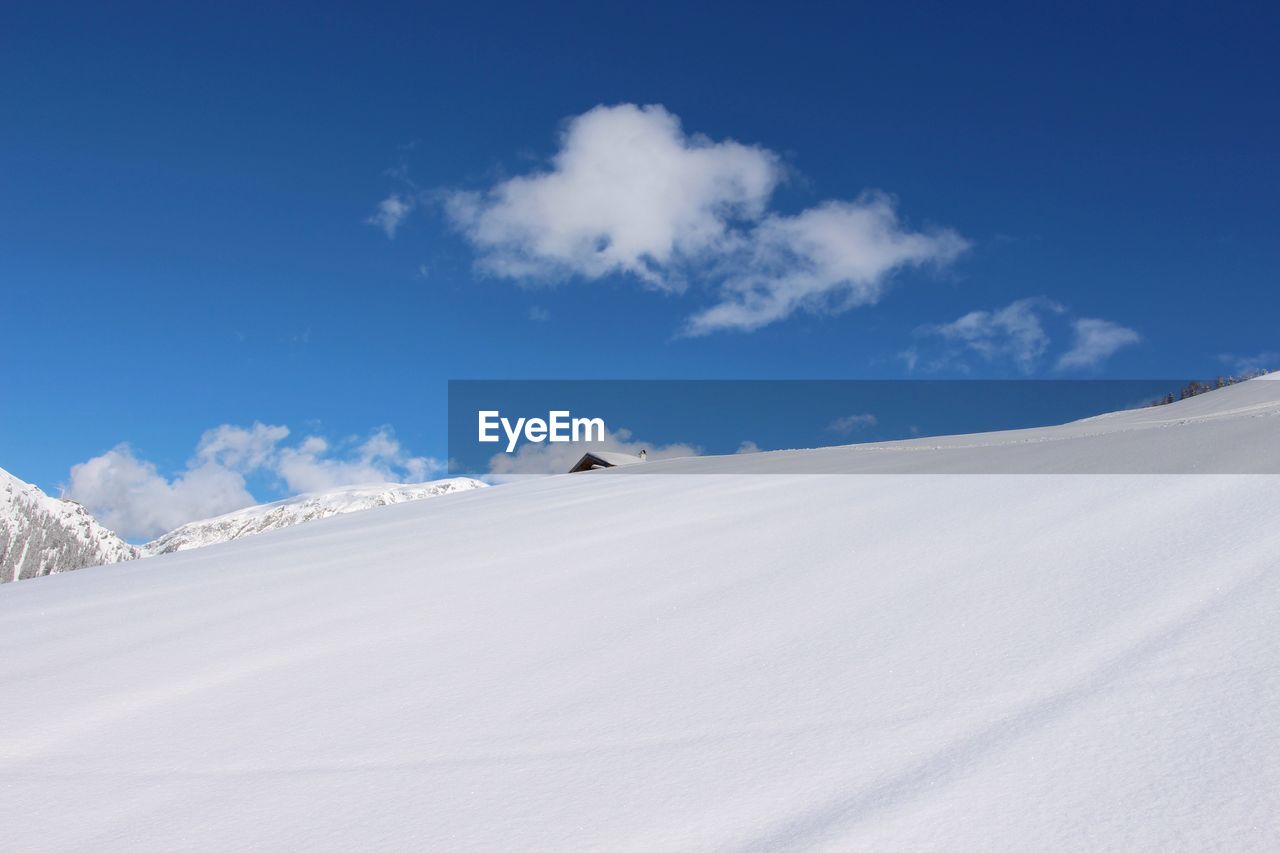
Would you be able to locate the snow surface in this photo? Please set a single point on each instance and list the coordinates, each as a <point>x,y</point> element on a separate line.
<point>299,509</point>
<point>620,660</point>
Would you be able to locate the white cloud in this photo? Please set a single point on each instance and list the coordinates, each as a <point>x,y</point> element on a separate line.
<point>312,467</point>
<point>129,496</point>
<point>391,212</point>
<point>239,448</point>
<point>133,498</point>
<point>849,423</point>
<point>1095,341</point>
<point>547,458</point>
<point>747,447</point>
<point>539,314</point>
<point>630,192</point>
<point>1017,332</point>
<point>828,259</point>
<point>1014,331</point>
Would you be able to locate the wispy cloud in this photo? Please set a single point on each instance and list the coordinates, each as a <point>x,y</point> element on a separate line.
<point>1017,333</point>
<point>1094,342</point>
<point>1251,363</point>
<point>391,212</point>
<point>629,192</point>
<point>538,314</point>
<point>828,259</point>
<point>1014,331</point>
<point>850,423</point>
<point>132,497</point>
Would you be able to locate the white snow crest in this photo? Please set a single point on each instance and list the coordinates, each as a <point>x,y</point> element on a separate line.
<point>300,509</point>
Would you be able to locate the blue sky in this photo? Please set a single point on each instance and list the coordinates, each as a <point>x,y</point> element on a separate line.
<point>187,195</point>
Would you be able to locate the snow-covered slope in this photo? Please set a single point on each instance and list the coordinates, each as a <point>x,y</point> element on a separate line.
<point>40,535</point>
<point>621,660</point>
<point>1234,430</point>
<point>299,509</point>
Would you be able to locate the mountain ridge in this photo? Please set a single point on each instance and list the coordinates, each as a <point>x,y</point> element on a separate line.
<point>299,509</point>
<point>42,535</point>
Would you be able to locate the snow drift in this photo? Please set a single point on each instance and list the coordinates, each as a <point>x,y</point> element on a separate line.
<point>626,661</point>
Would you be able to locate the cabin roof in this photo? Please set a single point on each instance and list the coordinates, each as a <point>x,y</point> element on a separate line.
<point>613,458</point>
<point>604,459</point>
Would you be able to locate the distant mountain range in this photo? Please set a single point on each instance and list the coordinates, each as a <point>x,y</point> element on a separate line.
<point>42,535</point>
<point>297,510</point>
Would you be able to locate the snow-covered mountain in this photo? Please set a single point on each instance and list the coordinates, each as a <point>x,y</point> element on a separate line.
<point>300,509</point>
<point>40,535</point>
<point>728,659</point>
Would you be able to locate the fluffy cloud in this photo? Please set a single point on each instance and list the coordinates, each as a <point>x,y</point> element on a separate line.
<point>130,496</point>
<point>311,467</point>
<point>1095,341</point>
<point>630,192</point>
<point>240,448</point>
<point>391,211</point>
<point>547,458</point>
<point>849,423</point>
<point>627,192</point>
<point>133,498</point>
